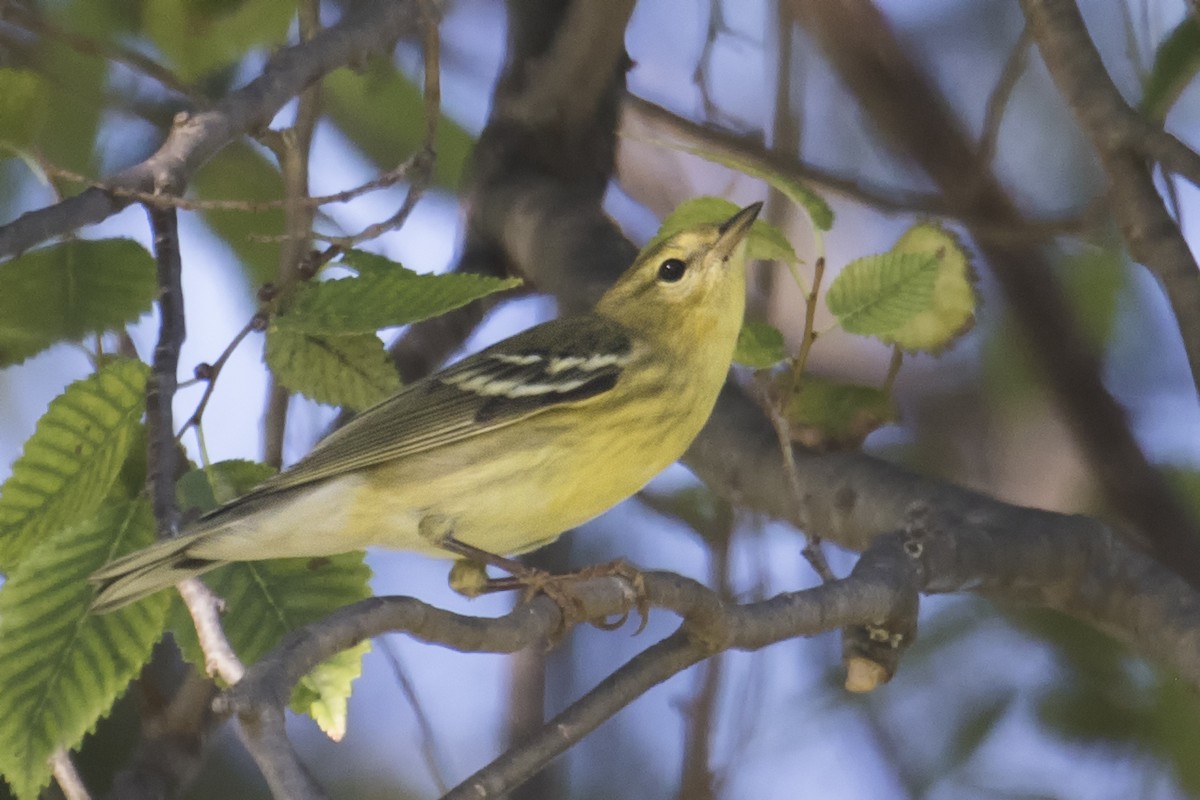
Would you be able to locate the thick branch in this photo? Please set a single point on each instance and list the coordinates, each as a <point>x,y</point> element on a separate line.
<point>1124,142</point>
<point>1060,564</point>
<point>368,27</point>
<point>914,118</point>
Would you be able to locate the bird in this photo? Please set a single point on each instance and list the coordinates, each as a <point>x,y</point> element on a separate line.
<point>503,451</point>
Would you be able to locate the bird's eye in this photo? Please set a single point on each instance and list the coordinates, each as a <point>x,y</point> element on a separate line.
<point>671,270</point>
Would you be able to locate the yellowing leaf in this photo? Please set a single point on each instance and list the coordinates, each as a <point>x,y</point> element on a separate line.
<point>951,310</point>
<point>878,294</point>
<point>759,346</point>
<point>351,370</point>
<point>324,693</point>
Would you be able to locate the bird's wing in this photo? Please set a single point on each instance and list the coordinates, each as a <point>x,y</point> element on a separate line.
<point>555,363</point>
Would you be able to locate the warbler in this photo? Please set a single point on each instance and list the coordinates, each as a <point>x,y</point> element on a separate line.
<point>503,451</point>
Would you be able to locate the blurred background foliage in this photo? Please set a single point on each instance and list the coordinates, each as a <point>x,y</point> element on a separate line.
<point>992,702</point>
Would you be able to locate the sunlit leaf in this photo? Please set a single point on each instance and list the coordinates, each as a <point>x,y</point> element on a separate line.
<point>62,668</point>
<point>876,295</point>
<point>267,599</point>
<point>73,458</point>
<point>951,312</point>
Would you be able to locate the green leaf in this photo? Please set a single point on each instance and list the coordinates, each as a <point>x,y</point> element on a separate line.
<point>825,415</point>
<point>351,370</point>
<point>324,693</point>
<point>951,312</point>
<point>795,190</point>
<point>1175,64</point>
<point>239,172</point>
<point>765,241</point>
<point>205,489</point>
<point>383,113</point>
<point>24,106</point>
<point>876,295</point>
<point>269,598</point>
<point>382,300</point>
<point>62,668</point>
<point>759,346</point>
<point>68,290</point>
<point>73,458</point>
<point>198,36</point>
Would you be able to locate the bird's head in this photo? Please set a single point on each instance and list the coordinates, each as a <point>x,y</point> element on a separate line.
<point>689,284</point>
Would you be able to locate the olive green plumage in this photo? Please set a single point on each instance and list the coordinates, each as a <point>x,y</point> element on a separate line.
<point>507,448</point>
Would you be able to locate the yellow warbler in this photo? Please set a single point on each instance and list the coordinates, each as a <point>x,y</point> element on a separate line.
<point>509,447</point>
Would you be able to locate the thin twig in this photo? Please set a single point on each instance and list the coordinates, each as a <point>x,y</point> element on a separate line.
<point>368,27</point>
<point>34,22</point>
<point>1002,92</point>
<point>67,777</point>
<point>205,609</point>
<point>429,746</point>
<point>209,372</point>
<point>384,181</point>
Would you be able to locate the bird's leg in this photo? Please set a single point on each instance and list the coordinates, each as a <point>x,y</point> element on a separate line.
<point>469,576</point>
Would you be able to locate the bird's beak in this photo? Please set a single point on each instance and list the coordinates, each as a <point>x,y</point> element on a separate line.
<point>734,230</point>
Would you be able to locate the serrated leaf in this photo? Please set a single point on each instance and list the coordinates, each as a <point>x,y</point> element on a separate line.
<point>951,311</point>
<point>877,294</point>
<point>759,346</point>
<point>205,489</point>
<point>351,370</point>
<point>383,113</point>
<point>824,415</point>
<point>797,191</point>
<point>324,693</point>
<point>1175,64</point>
<point>764,241</point>
<point>371,264</point>
<point>269,598</point>
<point>382,300</point>
<point>73,457</point>
<point>24,106</point>
<point>68,290</point>
<point>62,668</point>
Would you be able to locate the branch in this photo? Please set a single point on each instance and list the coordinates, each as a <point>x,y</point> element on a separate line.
<point>914,118</point>
<point>1059,564</point>
<point>368,27</point>
<point>1125,141</point>
<point>162,455</point>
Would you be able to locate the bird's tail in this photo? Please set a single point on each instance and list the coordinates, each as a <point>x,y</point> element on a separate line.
<point>145,572</point>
